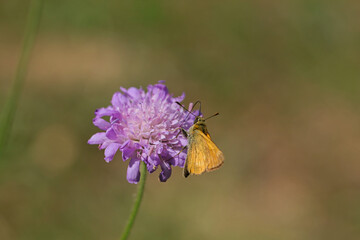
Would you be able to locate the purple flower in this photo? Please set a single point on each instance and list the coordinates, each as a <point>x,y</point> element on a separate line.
<point>144,126</point>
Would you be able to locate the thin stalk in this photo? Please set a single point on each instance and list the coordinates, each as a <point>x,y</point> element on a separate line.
<point>8,113</point>
<point>137,202</point>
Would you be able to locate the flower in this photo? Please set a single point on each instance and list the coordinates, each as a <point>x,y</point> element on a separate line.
<point>144,126</point>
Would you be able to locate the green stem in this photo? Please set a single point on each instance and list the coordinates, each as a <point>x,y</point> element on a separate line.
<point>137,202</point>
<point>31,28</point>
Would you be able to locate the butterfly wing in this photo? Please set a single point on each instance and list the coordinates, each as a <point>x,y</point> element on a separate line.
<point>203,155</point>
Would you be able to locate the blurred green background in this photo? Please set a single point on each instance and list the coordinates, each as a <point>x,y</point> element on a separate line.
<point>284,76</point>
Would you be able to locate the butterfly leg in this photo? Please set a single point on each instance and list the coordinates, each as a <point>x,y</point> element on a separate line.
<point>177,153</point>
<point>184,132</point>
<point>186,172</point>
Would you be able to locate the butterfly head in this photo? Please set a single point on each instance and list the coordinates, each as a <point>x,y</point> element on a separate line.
<point>199,120</point>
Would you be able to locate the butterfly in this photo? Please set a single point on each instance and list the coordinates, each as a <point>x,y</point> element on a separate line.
<point>202,153</point>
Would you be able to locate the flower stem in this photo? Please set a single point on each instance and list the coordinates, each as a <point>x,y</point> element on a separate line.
<point>137,202</point>
<point>8,113</point>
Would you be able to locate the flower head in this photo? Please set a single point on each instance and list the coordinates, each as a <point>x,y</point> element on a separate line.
<point>144,126</point>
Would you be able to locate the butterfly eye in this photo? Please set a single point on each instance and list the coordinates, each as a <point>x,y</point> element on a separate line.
<point>196,120</point>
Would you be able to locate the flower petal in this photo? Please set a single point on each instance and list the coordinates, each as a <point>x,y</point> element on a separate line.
<point>162,88</point>
<point>127,152</point>
<point>118,99</point>
<point>110,151</point>
<point>110,133</point>
<point>152,163</point>
<point>100,112</point>
<point>134,93</point>
<point>166,171</point>
<point>178,160</point>
<point>133,173</point>
<point>97,138</point>
<point>101,123</point>
<point>180,98</point>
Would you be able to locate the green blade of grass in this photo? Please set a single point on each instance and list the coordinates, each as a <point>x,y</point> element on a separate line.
<point>8,113</point>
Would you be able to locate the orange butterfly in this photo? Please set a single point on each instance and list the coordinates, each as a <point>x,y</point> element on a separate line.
<point>202,155</point>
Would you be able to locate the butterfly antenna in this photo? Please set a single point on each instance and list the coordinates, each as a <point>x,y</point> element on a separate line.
<point>188,110</point>
<point>211,116</point>
<point>185,109</point>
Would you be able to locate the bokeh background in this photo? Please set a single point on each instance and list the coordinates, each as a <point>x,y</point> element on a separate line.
<point>284,76</point>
